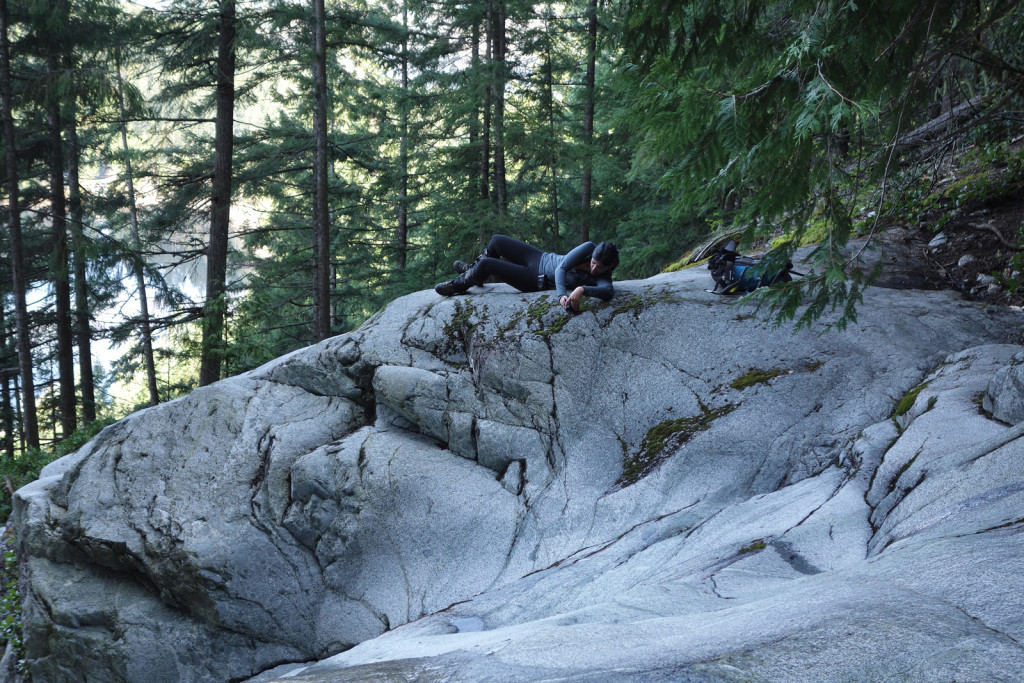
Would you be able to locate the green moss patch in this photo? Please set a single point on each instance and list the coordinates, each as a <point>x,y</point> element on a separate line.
<point>544,315</point>
<point>460,330</point>
<point>907,402</point>
<point>664,439</point>
<point>753,547</point>
<point>554,327</point>
<point>638,303</point>
<point>755,376</point>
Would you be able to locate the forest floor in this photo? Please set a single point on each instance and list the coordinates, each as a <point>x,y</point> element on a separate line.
<point>959,226</point>
<point>964,232</point>
<point>971,253</point>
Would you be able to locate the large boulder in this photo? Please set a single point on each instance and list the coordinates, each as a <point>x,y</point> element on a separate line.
<point>659,487</point>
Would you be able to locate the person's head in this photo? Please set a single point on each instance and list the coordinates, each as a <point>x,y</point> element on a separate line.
<point>604,258</point>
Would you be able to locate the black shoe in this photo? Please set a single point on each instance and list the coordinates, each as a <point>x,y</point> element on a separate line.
<point>452,287</point>
<point>471,277</point>
<point>461,266</point>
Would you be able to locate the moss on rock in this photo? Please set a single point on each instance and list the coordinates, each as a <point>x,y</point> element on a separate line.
<point>907,402</point>
<point>664,439</point>
<point>755,376</point>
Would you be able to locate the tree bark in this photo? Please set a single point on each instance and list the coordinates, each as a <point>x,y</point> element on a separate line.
<point>17,247</point>
<point>321,216</point>
<point>145,324</point>
<point>588,121</point>
<point>485,128</point>
<point>402,234</point>
<point>6,407</point>
<point>549,105</point>
<point>498,86</point>
<point>213,347</point>
<point>59,271</point>
<point>474,123</point>
<point>83,331</point>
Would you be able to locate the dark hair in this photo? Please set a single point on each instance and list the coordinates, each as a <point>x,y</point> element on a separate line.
<point>607,254</point>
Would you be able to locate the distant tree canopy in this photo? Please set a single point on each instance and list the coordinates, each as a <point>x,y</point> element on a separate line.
<point>204,186</point>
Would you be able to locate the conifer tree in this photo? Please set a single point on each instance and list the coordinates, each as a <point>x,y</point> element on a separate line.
<point>747,107</point>
<point>321,216</point>
<point>145,324</point>
<point>215,308</point>
<point>76,220</point>
<point>7,360</point>
<point>59,270</point>
<point>19,277</point>
<point>588,120</point>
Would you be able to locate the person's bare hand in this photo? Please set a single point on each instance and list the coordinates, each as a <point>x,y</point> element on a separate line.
<point>571,302</point>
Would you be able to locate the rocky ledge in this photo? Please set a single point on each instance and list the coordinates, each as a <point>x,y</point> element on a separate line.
<point>662,487</point>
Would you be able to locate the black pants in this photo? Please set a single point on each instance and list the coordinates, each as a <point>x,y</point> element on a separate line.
<point>512,262</point>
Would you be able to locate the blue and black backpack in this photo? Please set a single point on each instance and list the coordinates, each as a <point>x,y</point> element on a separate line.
<point>735,274</point>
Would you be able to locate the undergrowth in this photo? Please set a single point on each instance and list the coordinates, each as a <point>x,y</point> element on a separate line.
<point>10,604</point>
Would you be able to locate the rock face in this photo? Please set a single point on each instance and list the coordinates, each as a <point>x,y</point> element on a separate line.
<point>662,487</point>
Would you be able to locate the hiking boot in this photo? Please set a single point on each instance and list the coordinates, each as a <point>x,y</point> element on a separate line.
<point>452,287</point>
<point>461,266</point>
<point>469,277</point>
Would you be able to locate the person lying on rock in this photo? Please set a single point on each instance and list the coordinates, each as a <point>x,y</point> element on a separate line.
<point>584,271</point>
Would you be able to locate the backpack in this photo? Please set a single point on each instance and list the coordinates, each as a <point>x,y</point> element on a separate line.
<point>735,274</point>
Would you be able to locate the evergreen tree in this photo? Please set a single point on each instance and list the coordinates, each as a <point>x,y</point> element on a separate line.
<point>588,120</point>
<point>321,160</point>
<point>19,277</point>
<point>57,19</point>
<point>142,292</point>
<point>215,308</point>
<point>747,109</point>
<point>8,359</point>
<point>76,217</point>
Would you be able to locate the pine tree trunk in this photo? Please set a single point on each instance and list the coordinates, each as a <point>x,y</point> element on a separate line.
<point>499,76</point>
<point>17,248</point>
<point>485,129</point>
<point>145,324</point>
<point>474,123</point>
<point>321,216</point>
<point>59,272</point>
<point>402,235</point>
<point>83,331</point>
<point>213,348</point>
<point>588,120</point>
<point>549,105</point>
<point>6,409</point>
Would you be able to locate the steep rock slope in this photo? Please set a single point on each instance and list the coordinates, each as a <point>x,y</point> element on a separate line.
<point>659,486</point>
